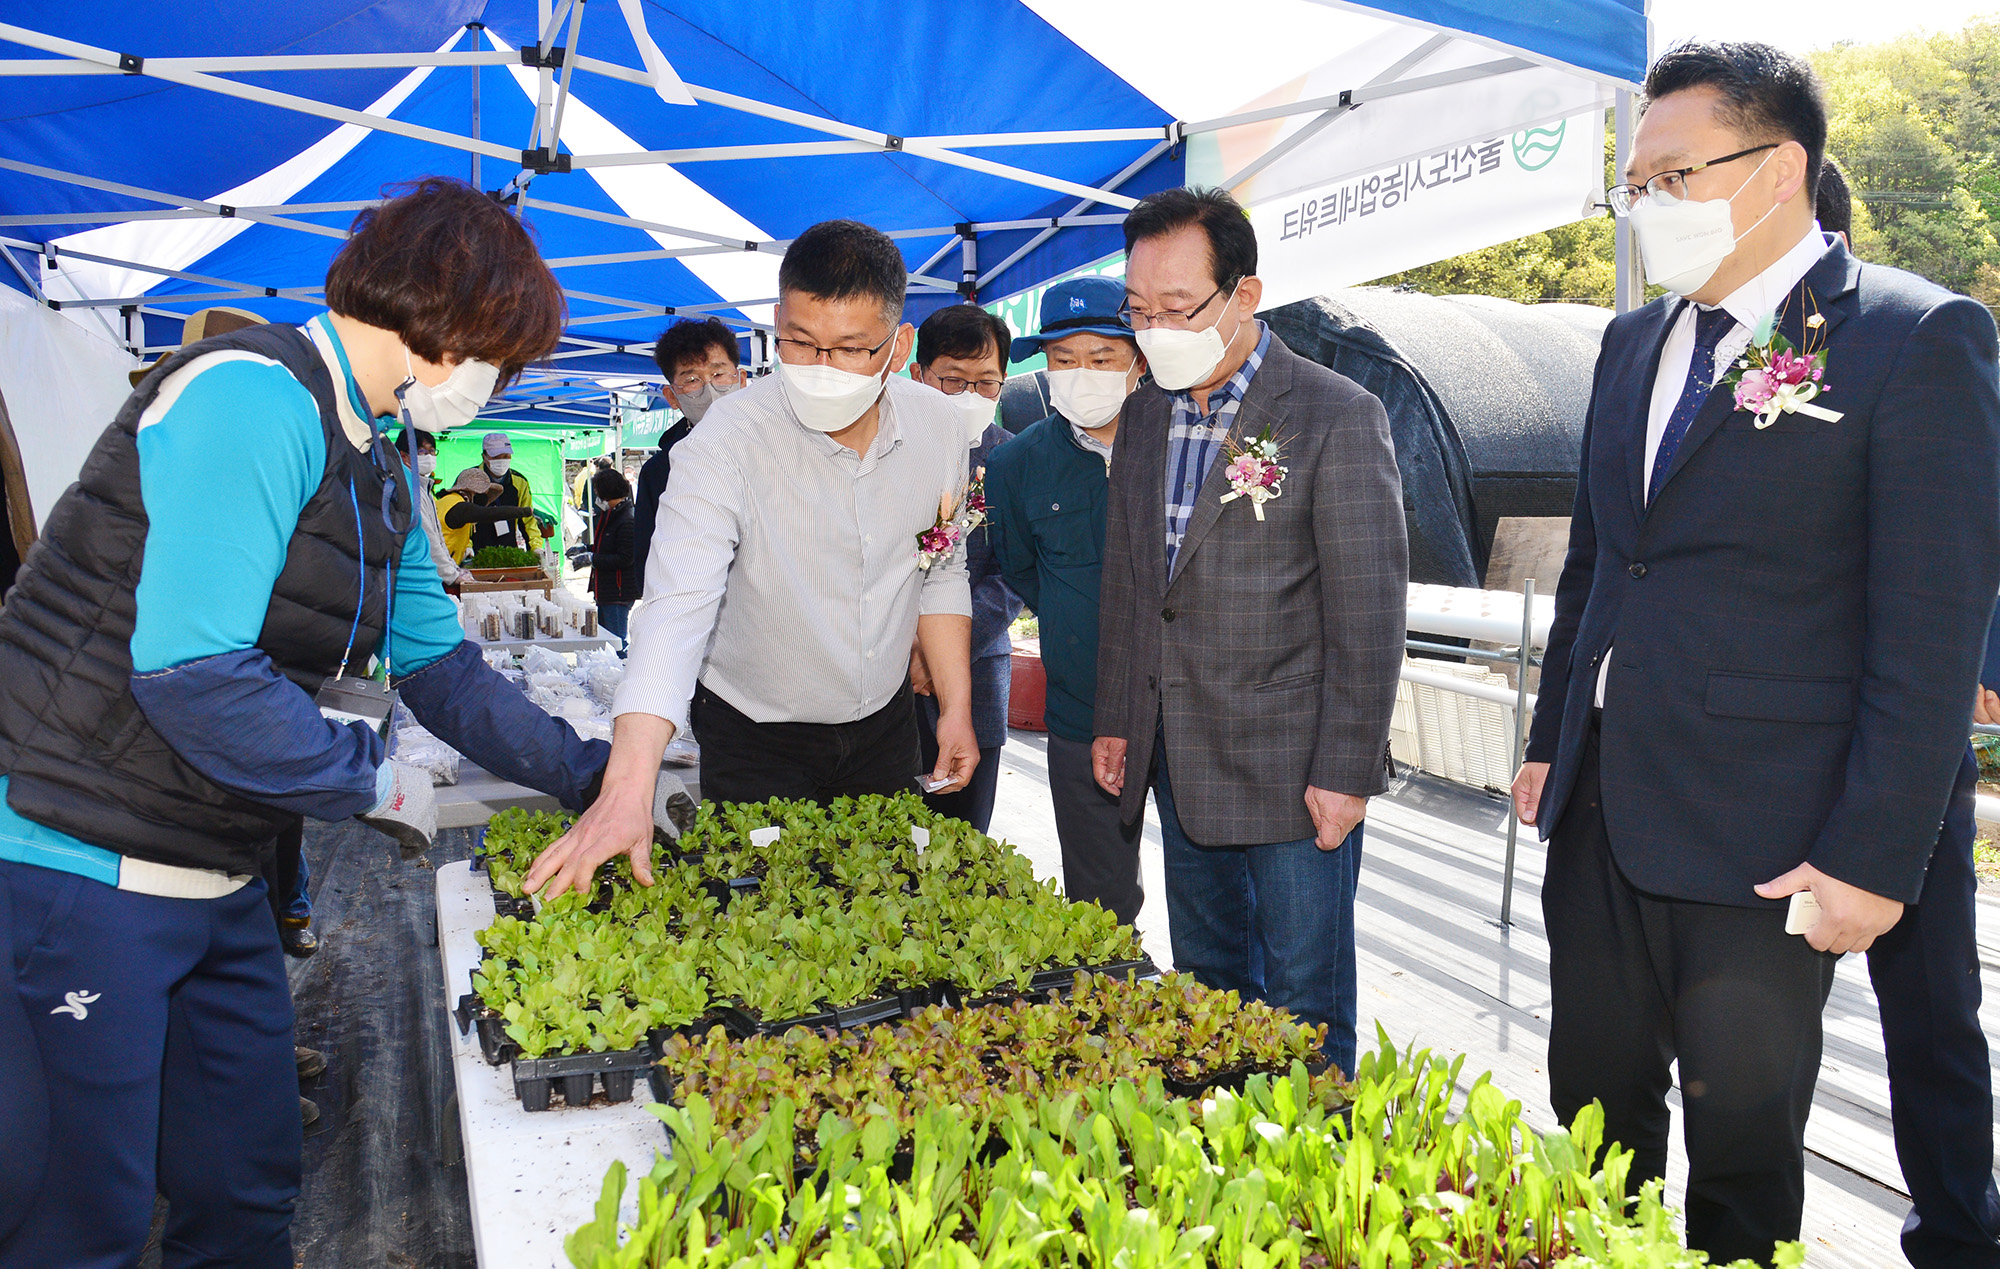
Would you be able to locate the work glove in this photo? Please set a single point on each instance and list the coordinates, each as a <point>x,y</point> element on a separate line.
<point>673,809</point>
<point>406,808</point>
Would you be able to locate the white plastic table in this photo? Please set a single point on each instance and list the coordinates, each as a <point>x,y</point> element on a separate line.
<point>532,1178</point>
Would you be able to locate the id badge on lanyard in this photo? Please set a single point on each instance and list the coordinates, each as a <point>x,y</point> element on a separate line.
<point>357,700</point>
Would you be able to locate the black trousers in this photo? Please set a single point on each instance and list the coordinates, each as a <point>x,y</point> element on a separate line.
<point>747,761</point>
<point>1926,976</point>
<point>1100,852</point>
<point>1638,981</point>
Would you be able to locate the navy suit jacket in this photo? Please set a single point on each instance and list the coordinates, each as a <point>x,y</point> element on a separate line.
<point>1798,619</point>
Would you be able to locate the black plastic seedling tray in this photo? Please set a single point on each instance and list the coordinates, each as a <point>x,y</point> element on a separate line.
<point>574,1075</point>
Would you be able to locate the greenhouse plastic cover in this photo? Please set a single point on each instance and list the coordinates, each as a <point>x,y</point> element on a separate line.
<point>1485,400</point>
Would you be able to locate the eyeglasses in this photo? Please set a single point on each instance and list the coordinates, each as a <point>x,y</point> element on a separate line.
<point>1671,186</point>
<point>800,352</point>
<point>1172,318</point>
<point>693,379</point>
<point>952,385</point>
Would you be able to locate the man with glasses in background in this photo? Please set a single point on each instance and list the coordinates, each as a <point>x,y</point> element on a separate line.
<point>698,360</point>
<point>962,352</point>
<point>786,585</point>
<point>1253,619</point>
<point>1770,623</point>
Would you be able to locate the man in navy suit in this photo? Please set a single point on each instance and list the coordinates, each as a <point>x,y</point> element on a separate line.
<point>1926,976</point>
<point>1767,631</point>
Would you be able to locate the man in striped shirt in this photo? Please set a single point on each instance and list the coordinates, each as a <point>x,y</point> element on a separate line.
<point>786,582</point>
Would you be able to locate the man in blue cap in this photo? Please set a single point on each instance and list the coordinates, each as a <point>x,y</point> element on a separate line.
<point>1045,494</point>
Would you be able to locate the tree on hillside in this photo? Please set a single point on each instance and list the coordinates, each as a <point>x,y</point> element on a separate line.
<point>1915,122</point>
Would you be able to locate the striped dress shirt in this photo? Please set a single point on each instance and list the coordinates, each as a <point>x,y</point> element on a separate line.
<point>783,570</point>
<point>1193,441</point>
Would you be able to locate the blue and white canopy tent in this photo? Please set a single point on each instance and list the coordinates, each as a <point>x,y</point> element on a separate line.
<point>161,159</point>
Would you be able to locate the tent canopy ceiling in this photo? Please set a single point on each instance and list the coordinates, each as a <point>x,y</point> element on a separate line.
<point>161,159</point>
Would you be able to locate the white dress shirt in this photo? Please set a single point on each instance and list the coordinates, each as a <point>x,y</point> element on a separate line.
<point>783,570</point>
<point>1749,304</point>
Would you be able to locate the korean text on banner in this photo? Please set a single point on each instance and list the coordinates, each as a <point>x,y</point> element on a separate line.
<point>1431,208</point>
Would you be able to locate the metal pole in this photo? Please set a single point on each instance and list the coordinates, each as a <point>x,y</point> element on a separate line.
<point>1628,291</point>
<point>475,28</point>
<point>1520,735</point>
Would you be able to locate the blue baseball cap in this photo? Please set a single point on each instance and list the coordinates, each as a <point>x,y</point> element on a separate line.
<point>1088,304</point>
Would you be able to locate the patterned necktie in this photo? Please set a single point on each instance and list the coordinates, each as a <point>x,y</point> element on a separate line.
<point>1710,325</point>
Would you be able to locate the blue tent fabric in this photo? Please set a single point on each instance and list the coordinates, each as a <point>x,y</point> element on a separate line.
<point>903,67</point>
<point>1607,37</point>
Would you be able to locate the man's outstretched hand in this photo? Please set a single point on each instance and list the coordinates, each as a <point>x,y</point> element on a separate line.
<point>620,822</point>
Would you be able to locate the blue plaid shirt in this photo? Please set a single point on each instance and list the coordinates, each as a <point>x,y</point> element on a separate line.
<point>1193,441</point>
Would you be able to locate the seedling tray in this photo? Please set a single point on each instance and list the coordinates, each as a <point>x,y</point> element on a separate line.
<point>495,1045</point>
<point>575,1075</point>
<point>1063,981</point>
<point>865,1013</point>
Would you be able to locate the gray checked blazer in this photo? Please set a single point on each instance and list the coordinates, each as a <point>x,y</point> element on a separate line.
<point>1270,658</point>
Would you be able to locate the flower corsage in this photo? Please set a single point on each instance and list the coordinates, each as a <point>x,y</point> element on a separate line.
<point>1253,470</point>
<point>957,517</point>
<point>1771,377</point>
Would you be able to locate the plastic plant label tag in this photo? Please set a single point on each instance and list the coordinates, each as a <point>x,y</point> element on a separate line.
<point>921,836</point>
<point>1803,915</point>
<point>762,837</point>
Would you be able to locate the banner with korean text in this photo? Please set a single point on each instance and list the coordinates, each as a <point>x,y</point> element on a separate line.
<point>1428,208</point>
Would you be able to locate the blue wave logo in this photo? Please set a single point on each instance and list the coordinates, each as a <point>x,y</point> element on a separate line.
<point>1536,148</point>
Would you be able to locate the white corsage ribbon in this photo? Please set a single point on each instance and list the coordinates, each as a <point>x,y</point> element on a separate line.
<point>1258,496</point>
<point>1796,398</point>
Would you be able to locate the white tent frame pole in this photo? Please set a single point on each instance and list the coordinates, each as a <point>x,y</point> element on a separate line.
<point>1394,71</point>
<point>1360,96</point>
<point>654,226</point>
<point>551,19</point>
<point>33,283</point>
<point>181,213</point>
<point>726,153</point>
<point>133,191</point>
<point>1131,170</point>
<point>554,136</point>
<point>1365,9</point>
<point>474,29</point>
<point>1627,291</point>
<point>58,251</point>
<point>249,65</point>
<point>936,256</point>
<point>250,92</point>
<point>246,293</point>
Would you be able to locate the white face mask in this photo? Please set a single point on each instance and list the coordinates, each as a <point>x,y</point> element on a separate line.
<point>499,466</point>
<point>827,399</point>
<point>977,412</point>
<point>1684,243</point>
<point>1182,358</point>
<point>1089,398</point>
<point>450,404</point>
<point>695,404</point>
<point>427,464</point>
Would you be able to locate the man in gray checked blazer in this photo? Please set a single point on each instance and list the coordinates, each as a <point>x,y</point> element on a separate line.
<point>1253,658</point>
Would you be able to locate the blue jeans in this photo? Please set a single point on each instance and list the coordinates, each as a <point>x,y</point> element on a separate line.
<point>299,904</point>
<point>150,1041</point>
<point>612,618</point>
<point>1272,923</point>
